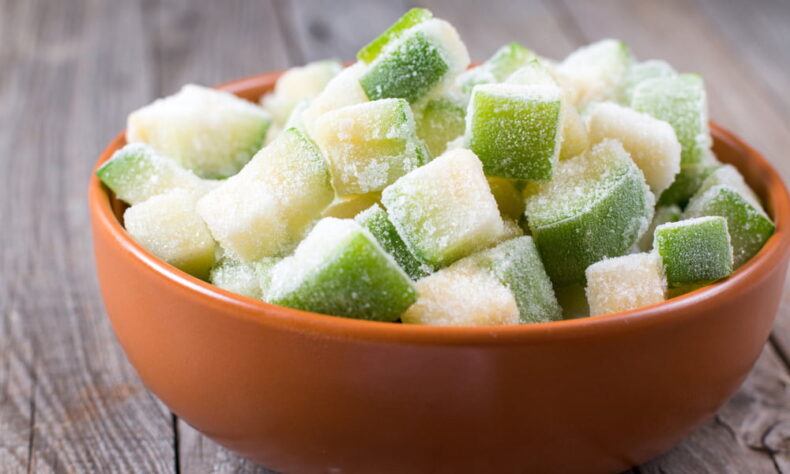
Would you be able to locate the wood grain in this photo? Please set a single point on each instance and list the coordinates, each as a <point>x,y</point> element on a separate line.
<point>74,401</point>
<point>208,42</point>
<point>71,70</point>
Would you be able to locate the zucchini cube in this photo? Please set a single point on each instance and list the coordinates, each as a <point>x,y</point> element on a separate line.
<point>516,130</point>
<point>409,19</point>
<point>340,270</point>
<point>418,62</point>
<point>341,91</point>
<point>680,101</point>
<point>748,224</point>
<point>695,251</point>
<point>444,210</point>
<point>211,132</point>
<point>625,283</point>
<point>237,277</point>
<point>575,138</point>
<point>639,72</point>
<point>368,146</point>
<point>265,209</point>
<point>298,84</point>
<point>168,226</point>
<point>651,143</point>
<point>595,73</point>
<point>503,285</point>
<point>137,172</point>
<point>439,121</point>
<point>597,206</point>
<point>377,222</point>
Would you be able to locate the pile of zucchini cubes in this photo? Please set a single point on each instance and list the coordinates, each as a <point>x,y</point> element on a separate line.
<point>409,187</point>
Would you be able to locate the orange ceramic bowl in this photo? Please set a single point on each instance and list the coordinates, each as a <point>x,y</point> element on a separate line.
<point>305,392</point>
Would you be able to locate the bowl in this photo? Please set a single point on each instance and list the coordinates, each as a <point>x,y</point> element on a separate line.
<point>304,392</point>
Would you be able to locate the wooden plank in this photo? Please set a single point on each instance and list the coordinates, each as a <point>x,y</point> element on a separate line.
<point>749,434</point>
<point>320,30</point>
<point>16,373</point>
<point>485,26</point>
<point>201,455</point>
<point>759,38</point>
<point>208,42</point>
<point>68,393</point>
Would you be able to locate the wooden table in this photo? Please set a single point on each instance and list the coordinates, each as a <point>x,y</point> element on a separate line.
<point>70,71</point>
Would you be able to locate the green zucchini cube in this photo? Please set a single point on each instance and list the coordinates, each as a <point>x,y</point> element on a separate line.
<point>680,101</point>
<point>597,206</point>
<point>639,72</point>
<point>439,121</point>
<point>411,18</point>
<point>748,224</point>
<point>377,222</point>
<point>516,130</point>
<point>340,270</point>
<point>504,62</point>
<point>427,55</point>
<point>137,172</point>
<point>695,251</point>
<point>517,265</point>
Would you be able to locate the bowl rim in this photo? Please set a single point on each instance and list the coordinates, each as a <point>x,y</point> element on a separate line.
<point>259,312</point>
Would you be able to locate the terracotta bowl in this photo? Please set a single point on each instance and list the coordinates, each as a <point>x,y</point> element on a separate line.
<point>304,392</point>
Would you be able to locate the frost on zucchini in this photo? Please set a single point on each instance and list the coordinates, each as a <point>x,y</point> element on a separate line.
<point>680,101</point>
<point>516,130</point>
<point>368,146</point>
<point>168,226</point>
<point>377,222</point>
<point>298,84</point>
<point>415,62</point>
<point>137,172</point>
<point>595,73</point>
<point>411,18</point>
<point>651,143</point>
<point>597,206</point>
<point>729,197</point>
<point>208,131</point>
<point>695,251</point>
<point>504,62</point>
<point>439,121</point>
<point>444,210</point>
<point>503,285</point>
<point>625,283</point>
<point>264,210</point>
<point>340,269</point>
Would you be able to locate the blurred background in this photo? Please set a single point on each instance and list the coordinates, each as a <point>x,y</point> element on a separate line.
<point>70,71</point>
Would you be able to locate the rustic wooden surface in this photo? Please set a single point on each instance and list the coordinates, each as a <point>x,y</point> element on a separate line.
<point>70,70</point>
